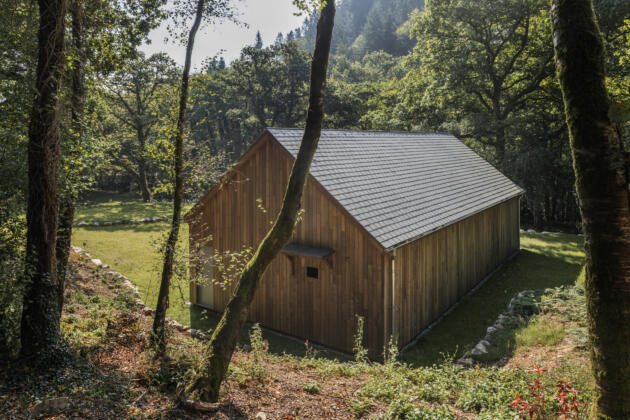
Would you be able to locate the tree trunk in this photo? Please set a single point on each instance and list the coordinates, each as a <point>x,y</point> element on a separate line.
<point>64,236</point>
<point>206,383</point>
<point>77,102</point>
<point>143,184</point>
<point>169,253</point>
<point>603,197</point>
<point>40,313</point>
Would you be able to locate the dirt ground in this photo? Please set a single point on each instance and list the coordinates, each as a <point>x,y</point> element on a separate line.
<point>110,380</point>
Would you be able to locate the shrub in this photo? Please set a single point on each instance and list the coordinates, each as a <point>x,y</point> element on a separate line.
<point>360,352</point>
<point>125,300</point>
<point>312,387</point>
<point>403,409</point>
<point>253,368</point>
<point>565,403</point>
<point>361,405</point>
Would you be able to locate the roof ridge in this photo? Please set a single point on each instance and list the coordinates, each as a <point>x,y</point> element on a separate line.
<point>345,130</point>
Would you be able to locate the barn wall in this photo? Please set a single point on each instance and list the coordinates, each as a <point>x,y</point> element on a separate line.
<point>321,310</point>
<point>434,272</point>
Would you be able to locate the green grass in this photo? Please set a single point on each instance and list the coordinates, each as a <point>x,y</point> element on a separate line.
<point>104,206</point>
<point>539,333</point>
<point>549,260</point>
<point>133,250</point>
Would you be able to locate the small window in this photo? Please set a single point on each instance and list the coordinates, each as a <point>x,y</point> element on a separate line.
<point>312,272</point>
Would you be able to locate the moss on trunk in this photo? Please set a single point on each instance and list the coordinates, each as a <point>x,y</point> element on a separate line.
<point>158,336</point>
<point>603,196</point>
<point>40,313</point>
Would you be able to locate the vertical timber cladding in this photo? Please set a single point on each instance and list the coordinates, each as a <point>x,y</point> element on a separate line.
<point>322,310</point>
<point>434,272</point>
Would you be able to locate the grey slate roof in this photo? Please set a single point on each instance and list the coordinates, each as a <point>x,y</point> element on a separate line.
<point>401,186</point>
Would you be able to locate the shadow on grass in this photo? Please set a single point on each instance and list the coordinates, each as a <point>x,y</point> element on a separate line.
<point>104,206</point>
<point>546,261</point>
<point>130,228</point>
<point>279,344</point>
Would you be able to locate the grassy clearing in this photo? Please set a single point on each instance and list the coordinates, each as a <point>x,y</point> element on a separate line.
<point>133,250</point>
<point>549,260</point>
<point>103,206</point>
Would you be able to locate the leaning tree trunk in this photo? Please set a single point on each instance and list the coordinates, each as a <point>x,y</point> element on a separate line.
<point>40,313</point>
<point>602,190</point>
<point>218,352</point>
<point>171,243</point>
<point>77,103</point>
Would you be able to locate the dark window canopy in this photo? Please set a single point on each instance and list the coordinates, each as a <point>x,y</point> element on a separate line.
<point>295,248</point>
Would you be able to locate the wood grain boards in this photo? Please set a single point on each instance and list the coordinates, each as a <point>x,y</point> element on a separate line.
<point>322,310</point>
<point>434,272</point>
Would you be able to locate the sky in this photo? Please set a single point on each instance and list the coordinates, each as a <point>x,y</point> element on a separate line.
<point>267,16</point>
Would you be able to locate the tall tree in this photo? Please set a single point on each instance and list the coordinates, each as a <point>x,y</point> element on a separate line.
<point>137,94</point>
<point>40,311</point>
<point>206,383</point>
<point>601,169</point>
<point>158,336</point>
<point>77,109</point>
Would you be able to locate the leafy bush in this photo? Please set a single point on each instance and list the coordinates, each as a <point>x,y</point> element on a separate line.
<point>125,300</point>
<point>566,402</point>
<point>361,405</point>
<point>403,409</point>
<point>312,387</point>
<point>12,269</point>
<point>253,368</point>
<point>360,352</point>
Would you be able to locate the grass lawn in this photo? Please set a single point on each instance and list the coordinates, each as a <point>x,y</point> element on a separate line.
<point>133,250</point>
<point>104,206</point>
<point>548,260</point>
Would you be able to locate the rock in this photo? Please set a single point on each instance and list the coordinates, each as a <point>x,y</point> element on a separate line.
<point>107,223</point>
<point>491,330</point>
<point>51,407</point>
<point>530,231</point>
<point>479,350</point>
<point>96,261</point>
<point>144,220</point>
<point>76,249</point>
<point>96,224</point>
<point>82,223</point>
<point>157,219</point>
<point>261,416</point>
<point>486,343</point>
<point>105,266</point>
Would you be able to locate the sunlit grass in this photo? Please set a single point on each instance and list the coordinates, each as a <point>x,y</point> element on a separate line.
<point>133,250</point>
<point>103,206</point>
<point>542,332</point>
<point>548,260</point>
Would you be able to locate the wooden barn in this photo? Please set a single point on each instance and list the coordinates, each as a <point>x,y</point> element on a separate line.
<point>397,227</point>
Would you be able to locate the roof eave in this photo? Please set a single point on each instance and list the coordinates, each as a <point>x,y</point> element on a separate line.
<point>428,232</point>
